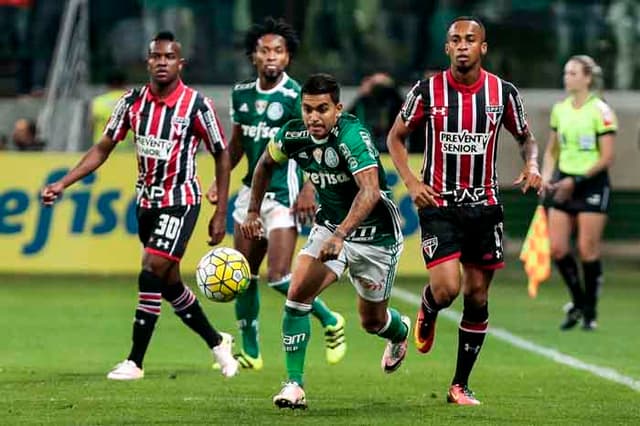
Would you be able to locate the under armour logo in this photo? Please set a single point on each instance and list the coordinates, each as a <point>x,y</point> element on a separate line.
<point>162,244</point>
<point>469,348</point>
<point>438,111</point>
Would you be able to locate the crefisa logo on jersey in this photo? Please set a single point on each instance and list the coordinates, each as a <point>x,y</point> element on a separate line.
<point>331,158</point>
<point>275,111</point>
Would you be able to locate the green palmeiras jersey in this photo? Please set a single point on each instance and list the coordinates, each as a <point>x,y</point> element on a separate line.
<point>330,165</point>
<point>260,114</point>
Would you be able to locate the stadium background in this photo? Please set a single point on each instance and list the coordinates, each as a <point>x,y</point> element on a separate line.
<point>67,275</point>
<point>94,226</point>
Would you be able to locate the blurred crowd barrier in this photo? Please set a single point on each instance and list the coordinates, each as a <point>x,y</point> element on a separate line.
<point>625,172</point>
<point>349,38</point>
<point>92,229</point>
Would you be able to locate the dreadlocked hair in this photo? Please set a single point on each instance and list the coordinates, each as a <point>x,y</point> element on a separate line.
<point>271,26</point>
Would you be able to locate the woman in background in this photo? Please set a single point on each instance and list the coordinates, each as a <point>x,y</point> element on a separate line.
<point>578,155</point>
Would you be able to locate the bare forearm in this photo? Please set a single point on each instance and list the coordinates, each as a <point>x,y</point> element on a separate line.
<point>548,165</point>
<point>235,146</point>
<point>223,171</point>
<point>601,165</point>
<point>259,184</point>
<point>398,151</point>
<point>529,151</point>
<point>607,150</point>
<point>235,153</point>
<point>93,159</point>
<point>363,204</point>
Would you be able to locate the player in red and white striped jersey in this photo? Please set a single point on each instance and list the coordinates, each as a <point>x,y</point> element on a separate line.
<point>461,110</point>
<point>168,120</point>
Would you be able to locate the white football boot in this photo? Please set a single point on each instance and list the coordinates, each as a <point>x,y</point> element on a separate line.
<point>223,356</point>
<point>126,370</point>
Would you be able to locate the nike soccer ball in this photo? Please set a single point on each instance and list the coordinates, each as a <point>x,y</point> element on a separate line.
<point>222,274</point>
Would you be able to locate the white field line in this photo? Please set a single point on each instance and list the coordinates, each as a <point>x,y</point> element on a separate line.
<point>527,345</point>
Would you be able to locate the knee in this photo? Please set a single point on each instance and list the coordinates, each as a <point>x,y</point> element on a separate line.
<point>475,298</point>
<point>558,250</point>
<point>444,295</point>
<point>158,266</point>
<point>588,249</point>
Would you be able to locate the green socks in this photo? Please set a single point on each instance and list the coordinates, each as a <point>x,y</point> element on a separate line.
<point>296,331</point>
<point>394,330</point>
<point>247,309</point>
<point>318,308</point>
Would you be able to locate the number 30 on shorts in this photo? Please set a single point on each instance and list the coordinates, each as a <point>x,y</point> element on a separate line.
<point>168,226</point>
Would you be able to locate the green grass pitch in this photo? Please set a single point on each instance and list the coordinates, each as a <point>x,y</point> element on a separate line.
<point>60,336</point>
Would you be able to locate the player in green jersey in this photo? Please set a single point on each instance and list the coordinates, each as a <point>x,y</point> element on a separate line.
<point>356,224</point>
<point>581,150</point>
<point>259,108</point>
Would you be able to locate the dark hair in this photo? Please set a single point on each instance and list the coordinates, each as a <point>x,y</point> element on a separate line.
<point>165,36</point>
<point>469,18</point>
<point>320,84</point>
<point>271,26</point>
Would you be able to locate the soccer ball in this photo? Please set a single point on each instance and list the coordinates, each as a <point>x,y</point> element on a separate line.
<point>222,274</point>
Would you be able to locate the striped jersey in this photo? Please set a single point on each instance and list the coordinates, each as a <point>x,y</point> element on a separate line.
<point>167,134</point>
<point>461,125</point>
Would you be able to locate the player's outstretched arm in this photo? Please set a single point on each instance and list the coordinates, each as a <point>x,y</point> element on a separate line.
<point>530,175</point>
<point>252,228</point>
<point>421,194</point>
<point>93,159</point>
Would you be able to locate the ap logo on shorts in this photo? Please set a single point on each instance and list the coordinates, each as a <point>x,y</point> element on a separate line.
<point>430,245</point>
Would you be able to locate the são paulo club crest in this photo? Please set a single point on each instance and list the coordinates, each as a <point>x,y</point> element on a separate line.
<point>429,245</point>
<point>179,124</point>
<point>493,112</point>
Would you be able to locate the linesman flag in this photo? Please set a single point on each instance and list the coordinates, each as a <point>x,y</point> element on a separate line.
<point>536,253</point>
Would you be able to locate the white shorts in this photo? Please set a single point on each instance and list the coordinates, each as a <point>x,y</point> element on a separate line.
<point>372,269</point>
<point>272,214</point>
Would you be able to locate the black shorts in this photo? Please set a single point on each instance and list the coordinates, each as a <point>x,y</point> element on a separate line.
<point>471,233</point>
<point>166,231</point>
<point>590,195</point>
